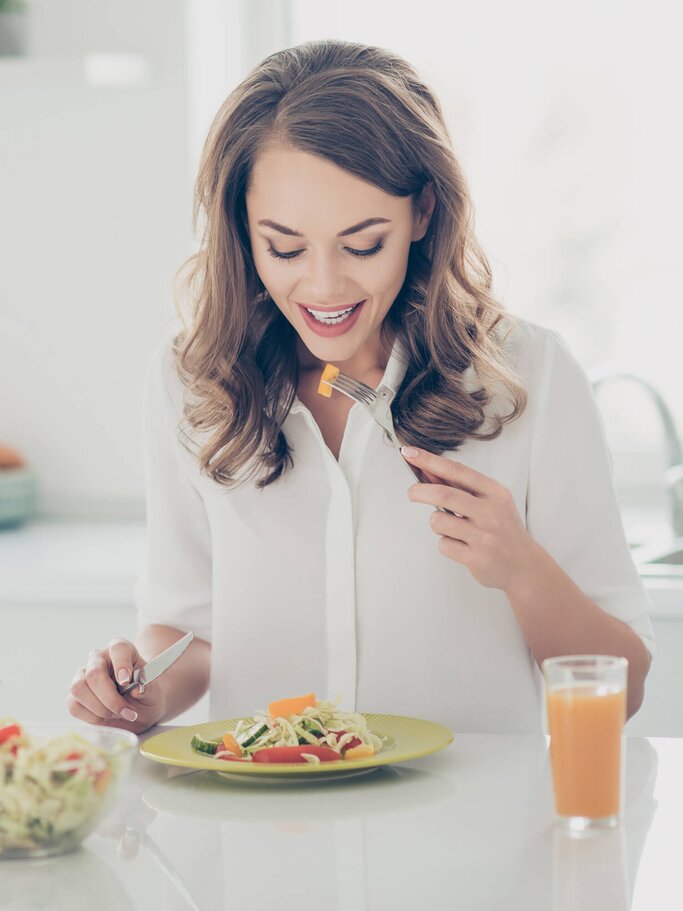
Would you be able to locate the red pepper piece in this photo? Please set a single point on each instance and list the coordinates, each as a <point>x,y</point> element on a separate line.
<point>354,742</point>
<point>73,755</point>
<point>10,730</point>
<point>294,753</point>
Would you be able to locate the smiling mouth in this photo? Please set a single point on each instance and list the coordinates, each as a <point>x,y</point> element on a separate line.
<point>332,317</point>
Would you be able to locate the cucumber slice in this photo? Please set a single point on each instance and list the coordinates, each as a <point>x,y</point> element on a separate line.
<point>205,746</point>
<point>308,735</point>
<point>308,724</point>
<point>252,734</point>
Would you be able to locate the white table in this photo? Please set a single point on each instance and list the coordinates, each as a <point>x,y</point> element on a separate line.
<point>470,827</point>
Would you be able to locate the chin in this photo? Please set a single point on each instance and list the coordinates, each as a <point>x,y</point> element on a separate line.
<point>330,349</point>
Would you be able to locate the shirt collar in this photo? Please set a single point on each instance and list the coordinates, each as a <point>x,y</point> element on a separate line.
<point>393,372</point>
<point>396,366</point>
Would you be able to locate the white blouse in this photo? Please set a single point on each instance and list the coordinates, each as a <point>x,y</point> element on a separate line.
<point>330,580</point>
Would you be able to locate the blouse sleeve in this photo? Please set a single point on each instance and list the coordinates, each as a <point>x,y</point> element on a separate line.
<point>572,506</point>
<point>175,587</point>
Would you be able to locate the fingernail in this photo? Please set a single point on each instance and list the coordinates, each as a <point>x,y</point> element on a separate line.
<point>123,676</point>
<point>129,714</point>
<point>410,452</point>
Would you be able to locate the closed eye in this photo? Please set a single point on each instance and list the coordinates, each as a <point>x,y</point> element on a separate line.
<point>359,253</point>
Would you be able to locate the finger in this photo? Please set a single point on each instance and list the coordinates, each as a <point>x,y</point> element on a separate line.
<point>81,691</point>
<point>449,470</point>
<point>83,714</point>
<point>78,710</point>
<point>460,501</point>
<point>457,551</point>
<point>453,527</point>
<point>124,658</point>
<point>429,477</point>
<point>98,677</point>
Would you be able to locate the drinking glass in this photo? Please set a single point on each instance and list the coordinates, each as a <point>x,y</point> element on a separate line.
<point>586,705</point>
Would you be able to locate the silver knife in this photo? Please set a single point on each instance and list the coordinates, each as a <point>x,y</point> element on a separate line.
<point>162,662</point>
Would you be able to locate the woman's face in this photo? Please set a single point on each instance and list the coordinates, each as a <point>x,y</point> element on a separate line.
<point>315,214</point>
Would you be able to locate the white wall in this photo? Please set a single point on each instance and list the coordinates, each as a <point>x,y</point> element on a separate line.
<point>96,185</point>
<point>96,188</point>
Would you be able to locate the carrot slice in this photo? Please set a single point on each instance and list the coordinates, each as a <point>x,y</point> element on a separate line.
<point>364,751</point>
<point>231,744</point>
<point>283,708</point>
<point>102,779</point>
<point>329,373</point>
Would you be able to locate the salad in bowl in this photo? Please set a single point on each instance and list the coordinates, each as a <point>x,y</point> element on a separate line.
<point>57,783</point>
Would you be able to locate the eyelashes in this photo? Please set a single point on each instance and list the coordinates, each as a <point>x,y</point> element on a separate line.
<point>361,254</point>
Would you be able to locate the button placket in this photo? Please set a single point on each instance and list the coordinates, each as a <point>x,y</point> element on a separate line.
<point>340,583</point>
<point>340,593</point>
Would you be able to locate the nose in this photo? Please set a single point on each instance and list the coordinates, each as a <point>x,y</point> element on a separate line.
<point>326,284</point>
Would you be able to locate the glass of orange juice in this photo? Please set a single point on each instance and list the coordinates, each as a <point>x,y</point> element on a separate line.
<point>586,704</point>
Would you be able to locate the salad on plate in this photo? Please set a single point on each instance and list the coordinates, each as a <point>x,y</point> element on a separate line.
<point>301,729</point>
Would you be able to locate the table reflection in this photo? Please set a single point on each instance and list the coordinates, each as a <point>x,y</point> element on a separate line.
<point>590,871</point>
<point>470,827</point>
<point>79,881</point>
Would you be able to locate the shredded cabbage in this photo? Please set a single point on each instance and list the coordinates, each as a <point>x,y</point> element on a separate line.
<point>44,794</point>
<point>324,717</point>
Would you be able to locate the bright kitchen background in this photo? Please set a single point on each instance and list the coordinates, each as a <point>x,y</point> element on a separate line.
<point>564,118</point>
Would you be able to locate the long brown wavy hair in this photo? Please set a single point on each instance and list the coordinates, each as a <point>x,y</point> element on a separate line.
<point>368,111</point>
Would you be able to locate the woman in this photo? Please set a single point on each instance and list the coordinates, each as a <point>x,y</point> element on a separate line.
<point>283,529</point>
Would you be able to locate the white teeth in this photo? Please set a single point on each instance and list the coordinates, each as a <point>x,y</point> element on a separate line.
<point>339,317</point>
<point>325,314</point>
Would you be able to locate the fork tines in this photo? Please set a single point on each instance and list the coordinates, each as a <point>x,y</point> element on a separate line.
<point>353,388</point>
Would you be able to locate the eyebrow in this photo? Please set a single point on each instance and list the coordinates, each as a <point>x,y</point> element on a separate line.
<point>352,230</point>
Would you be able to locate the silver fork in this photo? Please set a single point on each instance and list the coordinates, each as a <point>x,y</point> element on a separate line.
<point>378,402</point>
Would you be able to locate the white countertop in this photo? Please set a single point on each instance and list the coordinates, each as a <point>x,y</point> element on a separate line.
<point>470,827</point>
<point>71,562</point>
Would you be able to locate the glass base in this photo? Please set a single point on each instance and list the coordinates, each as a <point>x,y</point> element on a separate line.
<point>579,824</point>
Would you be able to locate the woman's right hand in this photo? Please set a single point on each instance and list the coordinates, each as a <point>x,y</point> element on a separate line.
<point>93,696</point>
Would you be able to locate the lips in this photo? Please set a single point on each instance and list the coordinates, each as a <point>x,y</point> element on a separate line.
<point>332,329</point>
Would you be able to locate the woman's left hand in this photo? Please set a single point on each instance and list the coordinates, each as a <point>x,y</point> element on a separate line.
<point>488,536</point>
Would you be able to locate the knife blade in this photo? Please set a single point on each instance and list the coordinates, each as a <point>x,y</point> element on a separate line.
<point>157,666</point>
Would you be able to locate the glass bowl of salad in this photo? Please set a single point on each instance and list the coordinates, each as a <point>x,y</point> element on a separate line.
<point>58,781</point>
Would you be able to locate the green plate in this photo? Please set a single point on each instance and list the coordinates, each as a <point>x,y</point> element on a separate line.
<point>404,739</point>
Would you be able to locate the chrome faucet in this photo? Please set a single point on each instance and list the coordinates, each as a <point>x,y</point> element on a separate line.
<point>674,473</point>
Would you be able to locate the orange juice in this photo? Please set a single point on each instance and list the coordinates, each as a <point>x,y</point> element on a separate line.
<point>585,724</point>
